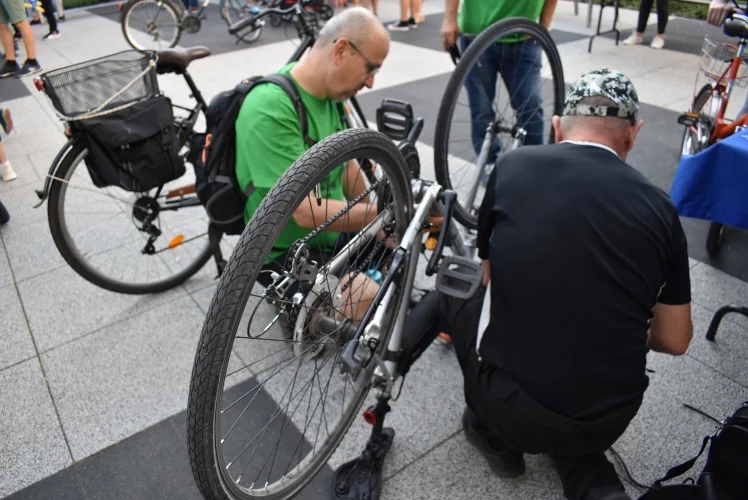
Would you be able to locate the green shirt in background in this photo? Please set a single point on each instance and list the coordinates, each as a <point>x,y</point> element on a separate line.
<point>269,141</point>
<point>477,15</point>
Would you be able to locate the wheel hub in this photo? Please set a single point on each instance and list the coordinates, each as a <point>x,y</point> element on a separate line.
<point>145,209</point>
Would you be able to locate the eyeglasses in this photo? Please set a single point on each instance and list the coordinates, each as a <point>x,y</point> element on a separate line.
<point>372,68</point>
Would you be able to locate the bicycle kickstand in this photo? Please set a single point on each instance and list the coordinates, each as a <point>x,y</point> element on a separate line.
<point>361,478</point>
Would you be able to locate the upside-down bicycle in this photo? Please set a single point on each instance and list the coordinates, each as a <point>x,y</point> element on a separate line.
<point>270,404</point>
<point>725,65</point>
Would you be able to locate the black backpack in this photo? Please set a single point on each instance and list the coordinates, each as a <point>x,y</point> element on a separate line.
<point>725,473</point>
<point>213,153</point>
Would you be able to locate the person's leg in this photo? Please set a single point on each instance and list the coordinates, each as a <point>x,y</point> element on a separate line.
<point>6,38</point>
<point>658,41</point>
<point>51,20</point>
<point>5,169</point>
<point>402,24</point>
<point>480,85</point>
<point>587,477</point>
<point>644,9</point>
<point>520,69</point>
<point>60,10</point>
<point>31,65</point>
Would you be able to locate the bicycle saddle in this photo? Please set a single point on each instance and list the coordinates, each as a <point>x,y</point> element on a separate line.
<point>736,27</point>
<point>177,60</point>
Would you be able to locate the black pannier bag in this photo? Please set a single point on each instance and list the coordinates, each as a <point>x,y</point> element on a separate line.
<point>135,148</point>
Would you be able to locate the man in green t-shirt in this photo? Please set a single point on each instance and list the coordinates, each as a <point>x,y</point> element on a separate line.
<point>518,62</point>
<point>349,51</point>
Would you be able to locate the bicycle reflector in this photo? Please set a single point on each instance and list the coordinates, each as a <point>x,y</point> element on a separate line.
<point>395,119</point>
<point>39,84</point>
<point>176,241</point>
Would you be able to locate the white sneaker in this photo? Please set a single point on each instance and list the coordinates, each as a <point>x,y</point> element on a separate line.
<point>8,173</point>
<point>633,39</point>
<point>658,42</point>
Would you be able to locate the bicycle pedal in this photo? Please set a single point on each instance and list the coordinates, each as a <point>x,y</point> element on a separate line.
<point>459,277</point>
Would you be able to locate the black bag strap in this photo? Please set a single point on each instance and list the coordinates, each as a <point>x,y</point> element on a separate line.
<point>289,87</point>
<point>682,468</point>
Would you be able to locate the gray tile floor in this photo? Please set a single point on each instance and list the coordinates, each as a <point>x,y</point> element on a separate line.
<point>95,383</point>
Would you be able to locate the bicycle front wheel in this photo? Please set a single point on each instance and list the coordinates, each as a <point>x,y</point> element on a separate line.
<point>104,233</point>
<point>268,404</point>
<point>152,24</point>
<point>505,89</point>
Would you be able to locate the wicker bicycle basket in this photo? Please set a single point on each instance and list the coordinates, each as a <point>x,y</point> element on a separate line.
<point>716,57</point>
<point>102,85</point>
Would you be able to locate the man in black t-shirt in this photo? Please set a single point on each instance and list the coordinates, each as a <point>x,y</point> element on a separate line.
<point>586,267</point>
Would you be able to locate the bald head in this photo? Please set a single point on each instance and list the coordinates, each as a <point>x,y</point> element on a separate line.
<point>357,24</point>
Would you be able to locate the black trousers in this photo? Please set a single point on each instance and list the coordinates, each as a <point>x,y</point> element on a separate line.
<point>662,12</point>
<point>510,414</point>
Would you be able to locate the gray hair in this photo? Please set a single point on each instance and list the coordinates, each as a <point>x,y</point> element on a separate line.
<point>354,23</point>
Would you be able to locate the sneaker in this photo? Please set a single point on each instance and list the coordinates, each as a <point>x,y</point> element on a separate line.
<point>7,121</point>
<point>658,42</point>
<point>504,463</point>
<point>633,39</point>
<point>9,68</point>
<point>412,24</point>
<point>399,26</point>
<point>8,173</point>
<point>28,68</point>
<point>51,35</point>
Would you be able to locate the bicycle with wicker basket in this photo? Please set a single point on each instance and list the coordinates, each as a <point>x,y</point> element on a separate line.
<point>123,209</point>
<point>725,66</point>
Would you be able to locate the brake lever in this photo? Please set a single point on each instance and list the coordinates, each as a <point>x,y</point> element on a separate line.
<point>449,198</point>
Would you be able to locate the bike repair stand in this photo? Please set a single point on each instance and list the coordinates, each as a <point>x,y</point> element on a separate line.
<point>361,478</point>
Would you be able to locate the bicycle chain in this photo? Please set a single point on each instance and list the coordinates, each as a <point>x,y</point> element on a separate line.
<point>333,219</point>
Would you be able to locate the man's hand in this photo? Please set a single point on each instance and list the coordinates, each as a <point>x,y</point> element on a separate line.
<point>718,12</point>
<point>449,33</point>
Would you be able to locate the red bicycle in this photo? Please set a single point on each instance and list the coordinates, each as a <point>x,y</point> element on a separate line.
<point>724,65</point>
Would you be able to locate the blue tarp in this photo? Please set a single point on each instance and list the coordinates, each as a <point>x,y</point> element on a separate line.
<point>713,184</point>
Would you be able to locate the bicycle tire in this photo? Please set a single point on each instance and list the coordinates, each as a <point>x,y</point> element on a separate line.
<point>235,285</point>
<point>4,215</point>
<point>171,6</point>
<point>455,83</point>
<point>698,102</point>
<point>72,159</point>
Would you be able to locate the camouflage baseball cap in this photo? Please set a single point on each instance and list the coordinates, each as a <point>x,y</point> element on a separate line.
<point>608,83</point>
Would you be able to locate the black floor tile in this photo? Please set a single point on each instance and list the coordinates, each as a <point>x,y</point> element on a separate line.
<point>681,35</point>
<point>12,87</point>
<point>154,464</point>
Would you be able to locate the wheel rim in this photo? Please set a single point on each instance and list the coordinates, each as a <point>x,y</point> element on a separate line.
<point>99,227</point>
<point>149,26</point>
<point>272,477</point>
<point>459,157</point>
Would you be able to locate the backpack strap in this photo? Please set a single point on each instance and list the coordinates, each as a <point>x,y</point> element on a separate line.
<point>289,87</point>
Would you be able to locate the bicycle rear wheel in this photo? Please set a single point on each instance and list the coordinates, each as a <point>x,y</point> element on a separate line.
<point>102,233</point>
<point>247,388</point>
<point>152,24</point>
<point>494,124</point>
